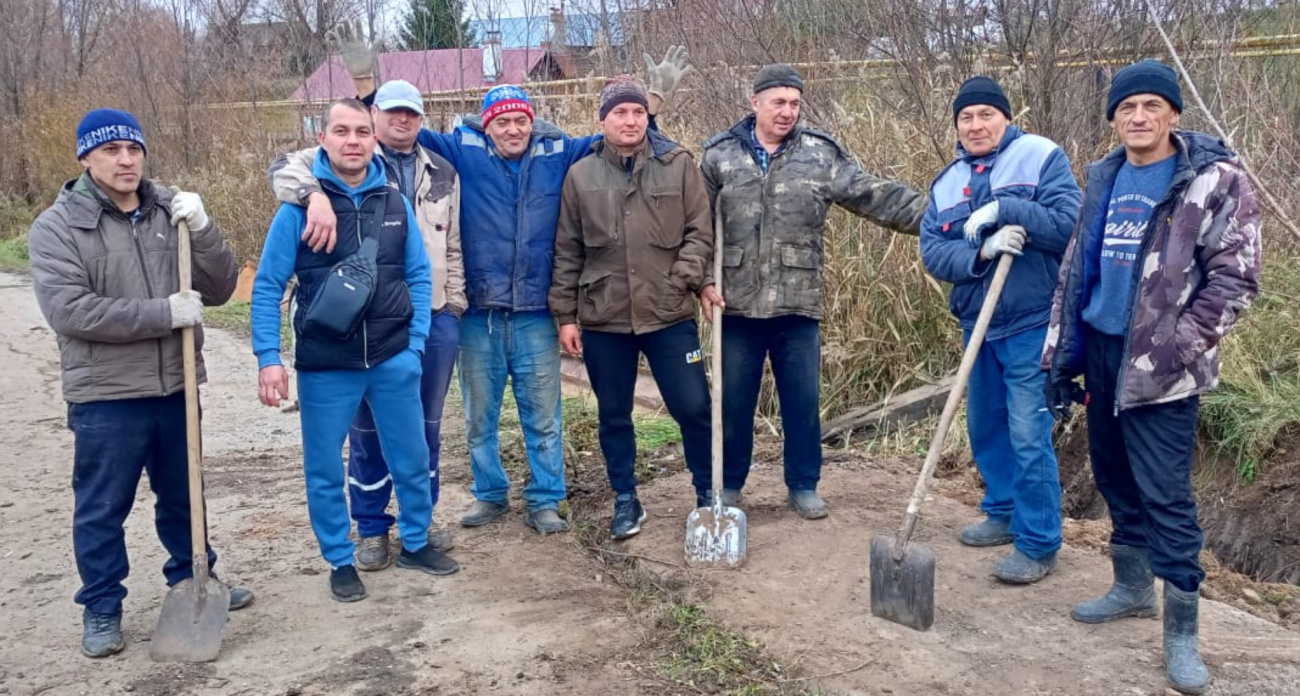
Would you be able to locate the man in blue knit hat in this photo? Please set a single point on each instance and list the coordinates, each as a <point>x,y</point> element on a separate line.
<point>1164,260</point>
<point>104,267</point>
<point>512,170</point>
<point>1007,192</point>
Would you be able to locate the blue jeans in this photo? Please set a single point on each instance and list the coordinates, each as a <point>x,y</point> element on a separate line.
<point>1011,439</point>
<point>369,484</point>
<point>1142,461</point>
<point>678,366</point>
<point>794,345</point>
<point>114,442</point>
<point>329,401</point>
<point>523,346</point>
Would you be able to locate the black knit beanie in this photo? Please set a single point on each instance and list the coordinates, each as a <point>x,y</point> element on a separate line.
<point>980,90</point>
<point>1144,77</point>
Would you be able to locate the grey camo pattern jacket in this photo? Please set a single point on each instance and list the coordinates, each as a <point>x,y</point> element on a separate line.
<point>774,224</point>
<point>1200,263</point>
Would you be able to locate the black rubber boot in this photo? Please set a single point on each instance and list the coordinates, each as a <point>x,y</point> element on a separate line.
<point>1132,594</point>
<point>1184,668</point>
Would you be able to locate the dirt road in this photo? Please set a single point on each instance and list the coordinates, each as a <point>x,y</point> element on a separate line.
<point>538,616</point>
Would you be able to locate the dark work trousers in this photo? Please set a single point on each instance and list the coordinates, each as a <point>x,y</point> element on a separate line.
<point>793,343</point>
<point>1142,460</point>
<point>114,442</point>
<point>370,486</point>
<point>678,367</point>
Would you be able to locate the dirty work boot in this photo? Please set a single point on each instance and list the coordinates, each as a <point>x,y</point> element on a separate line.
<point>628,515</point>
<point>547,521</point>
<point>240,597</point>
<point>1132,594</point>
<point>101,634</point>
<point>345,584</point>
<point>372,553</point>
<point>484,511</point>
<point>441,539</point>
<point>808,504</point>
<point>1184,668</point>
<point>988,532</point>
<point>1019,569</point>
<point>429,560</point>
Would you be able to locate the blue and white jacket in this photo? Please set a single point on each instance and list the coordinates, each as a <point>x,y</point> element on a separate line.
<point>509,211</point>
<point>1030,177</point>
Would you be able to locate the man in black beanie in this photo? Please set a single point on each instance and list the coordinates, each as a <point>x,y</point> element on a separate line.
<point>1007,192</point>
<point>1165,258</point>
<point>772,181</point>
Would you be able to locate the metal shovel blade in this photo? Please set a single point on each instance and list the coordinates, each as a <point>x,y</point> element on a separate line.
<point>191,622</point>
<point>715,537</point>
<point>902,591</point>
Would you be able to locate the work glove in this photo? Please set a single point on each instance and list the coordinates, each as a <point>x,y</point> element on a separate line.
<point>359,55</point>
<point>665,76</point>
<point>1061,394</point>
<point>189,207</point>
<point>984,217</point>
<point>1010,239</point>
<point>187,308</point>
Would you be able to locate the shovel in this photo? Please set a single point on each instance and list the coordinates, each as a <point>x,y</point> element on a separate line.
<point>193,615</point>
<point>902,575</point>
<point>715,535</point>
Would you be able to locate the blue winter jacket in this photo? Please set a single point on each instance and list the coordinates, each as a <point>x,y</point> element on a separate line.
<point>284,253</point>
<point>508,215</point>
<point>1030,177</point>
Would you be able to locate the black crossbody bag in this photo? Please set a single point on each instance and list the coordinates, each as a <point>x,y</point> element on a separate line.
<point>343,298</point>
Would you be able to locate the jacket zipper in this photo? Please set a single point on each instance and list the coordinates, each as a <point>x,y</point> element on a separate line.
<point>148,288</point>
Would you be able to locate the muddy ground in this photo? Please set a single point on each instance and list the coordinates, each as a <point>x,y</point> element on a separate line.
<point>528,615</point>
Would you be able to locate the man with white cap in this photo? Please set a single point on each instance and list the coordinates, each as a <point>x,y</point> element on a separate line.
<point>433,187</point>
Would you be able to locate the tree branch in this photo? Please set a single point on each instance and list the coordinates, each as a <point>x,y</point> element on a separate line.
<point>1269,202</point>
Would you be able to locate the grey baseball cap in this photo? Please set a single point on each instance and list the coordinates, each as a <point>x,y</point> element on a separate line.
<point>399,94</point>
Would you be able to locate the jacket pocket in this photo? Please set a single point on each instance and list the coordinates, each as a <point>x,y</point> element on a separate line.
<point>667,211</point>
<point>594,302</point>
<point>738,281</point>
<point>601,212</point>
<point>801,278</point>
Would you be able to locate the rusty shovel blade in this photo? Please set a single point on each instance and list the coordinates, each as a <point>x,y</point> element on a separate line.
<point>191,623</point>
<point>715,537</point>
<point>902,591</point>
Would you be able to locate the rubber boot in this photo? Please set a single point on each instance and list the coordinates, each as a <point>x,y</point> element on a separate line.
<point>1184,668</point>
<point>1132,594</point>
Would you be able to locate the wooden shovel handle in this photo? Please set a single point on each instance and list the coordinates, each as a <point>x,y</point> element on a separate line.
<point>950,406</point>
<point>715,349</point>
<point>194,449</point>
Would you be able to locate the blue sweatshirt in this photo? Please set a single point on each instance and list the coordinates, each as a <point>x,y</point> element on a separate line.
<point>284,244</point>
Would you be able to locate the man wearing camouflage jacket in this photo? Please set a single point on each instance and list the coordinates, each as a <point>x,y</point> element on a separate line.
<point>1165,257</point>
<point>772,180</point>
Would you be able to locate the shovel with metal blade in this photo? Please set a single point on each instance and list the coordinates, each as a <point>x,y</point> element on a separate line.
<point>715,535</point>
<point>193,616</point>
<point>902,575</point>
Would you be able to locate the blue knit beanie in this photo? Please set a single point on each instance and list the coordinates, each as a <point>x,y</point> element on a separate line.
<point>980,90</point>
<point>1144,77</point>
<point>106,125</point>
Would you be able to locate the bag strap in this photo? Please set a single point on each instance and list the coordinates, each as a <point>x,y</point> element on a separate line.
<point>369,247</point>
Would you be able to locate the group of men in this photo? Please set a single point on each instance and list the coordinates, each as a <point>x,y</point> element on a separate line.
<point>503,242</point>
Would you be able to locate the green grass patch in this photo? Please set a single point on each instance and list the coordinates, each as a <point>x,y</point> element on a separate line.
<point>710,658</point>
<point>13,254</point>
<point>1258,398</point>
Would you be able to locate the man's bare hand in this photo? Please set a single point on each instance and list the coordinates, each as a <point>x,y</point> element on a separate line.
<point>570,339</point>
<point>709,298</point>
<point>321,231</point>
<point>272,385</point>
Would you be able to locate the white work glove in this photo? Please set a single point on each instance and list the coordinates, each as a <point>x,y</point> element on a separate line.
<point>665,76</point>
<point>985,216</point>
<point>189,207</point>
<point>359,55</point>
<point>187,308</point>
<point>1009,239</point>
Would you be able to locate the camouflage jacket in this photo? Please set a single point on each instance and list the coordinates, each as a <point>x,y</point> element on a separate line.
<point>773,224</point>
<point>1200,262</point>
